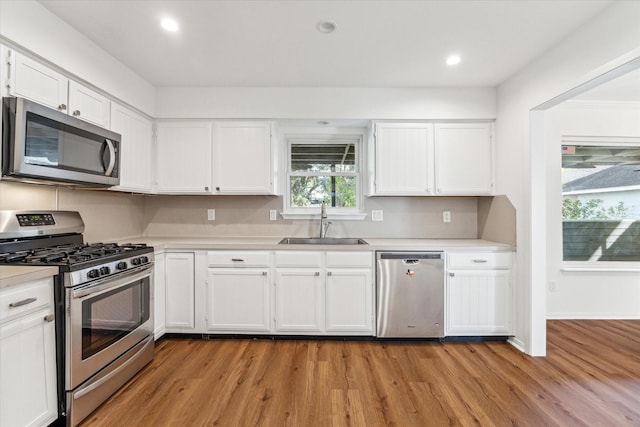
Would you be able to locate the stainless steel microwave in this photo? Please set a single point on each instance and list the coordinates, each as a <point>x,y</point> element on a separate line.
<point>45,145</point>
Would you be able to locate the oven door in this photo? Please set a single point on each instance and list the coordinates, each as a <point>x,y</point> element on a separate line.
<point>106,318</point>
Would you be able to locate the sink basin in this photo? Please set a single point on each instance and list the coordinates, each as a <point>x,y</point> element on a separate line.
<point>319,241</point>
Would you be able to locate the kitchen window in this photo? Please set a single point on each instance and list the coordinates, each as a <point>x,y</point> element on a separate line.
<point>600,203</point>
<point>324,168</point>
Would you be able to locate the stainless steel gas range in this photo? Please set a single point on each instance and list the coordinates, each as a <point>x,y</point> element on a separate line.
<point>103,304</point>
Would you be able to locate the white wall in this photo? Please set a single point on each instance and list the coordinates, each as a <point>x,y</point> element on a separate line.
<point>327,103</point>
<point>520,174</point>
<point>585,294</point>
<point>30,26</point>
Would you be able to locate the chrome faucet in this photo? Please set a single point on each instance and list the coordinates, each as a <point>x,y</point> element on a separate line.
<point>324,224</point>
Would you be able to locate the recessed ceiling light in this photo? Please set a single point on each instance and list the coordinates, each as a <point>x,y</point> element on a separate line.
<point>169,24</point>
<point>326,27</point>
<point>453,60</point>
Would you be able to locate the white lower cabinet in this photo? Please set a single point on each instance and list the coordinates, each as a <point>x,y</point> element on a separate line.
<point>28,394</point>
<point>238,300</point>
<point>238,292</point>
<point>349,301</point>
<point>299,300</point>
<point>159,299</point>
<point>479,294</point>
<point>179,291</point>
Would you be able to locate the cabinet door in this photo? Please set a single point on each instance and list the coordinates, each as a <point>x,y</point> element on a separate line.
<point>135,149</point>
<point>299,300</point>
<point>349,294</point>
<point>28,395</point>
<point>179,291</point>
<point>88,105</point>
<point>238,300</point>
<point>403,159</point>
<point>242,158</point>
<point>184,157</point>
<point>32,80</point>
<point>463,159</point>
<point>479,302</point>
<point>159,300</point>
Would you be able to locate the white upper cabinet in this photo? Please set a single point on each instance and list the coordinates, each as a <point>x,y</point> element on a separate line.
<point>37,82</point>
<point>403,159</point>
<point>183,153</point>
<point>89,105</point>
<point>32,80</point>
<point>463,159</point>
<point>135,149</point>
<point>242,157</point>
<point>424,159</point>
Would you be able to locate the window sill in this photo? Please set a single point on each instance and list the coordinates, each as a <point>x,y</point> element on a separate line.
<point>632,267</point>
<point>357,216</point>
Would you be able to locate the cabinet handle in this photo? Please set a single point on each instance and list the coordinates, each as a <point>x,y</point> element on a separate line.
<point>329,273</point>
<point>206,188</point>
<point>217,188</point>
<point>62,107</point>
<point>480,261</point>
<point>49,318</point>
<point>76,113</point>
<point>264,273</point>
<point>237,260</point>
<point>23,302</point>
<point>317,273</point>
<point>452,274</point>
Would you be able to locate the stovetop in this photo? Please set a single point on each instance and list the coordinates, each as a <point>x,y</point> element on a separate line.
<point>72,257</point>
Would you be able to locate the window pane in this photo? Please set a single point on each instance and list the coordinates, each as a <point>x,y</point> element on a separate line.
<point>323,157</point>
<point>335,191</point>
<point>601,203</point>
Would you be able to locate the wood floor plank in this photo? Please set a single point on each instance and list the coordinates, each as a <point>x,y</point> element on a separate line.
<point>591,376</point>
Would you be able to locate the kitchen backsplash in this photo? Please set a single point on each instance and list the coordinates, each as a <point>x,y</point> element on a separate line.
<point>112,216</point>
<point>404,217</point>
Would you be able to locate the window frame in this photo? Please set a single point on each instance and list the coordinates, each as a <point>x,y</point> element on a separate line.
<point>328,136</point>
<point>595,265</point>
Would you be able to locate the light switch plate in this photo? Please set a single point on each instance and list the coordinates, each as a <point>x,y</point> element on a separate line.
<point>377,216</point>
<point>446,216</point>
<point>273,215</point>
<point>211,214</point>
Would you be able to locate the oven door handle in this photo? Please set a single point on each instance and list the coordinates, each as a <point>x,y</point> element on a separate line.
<point>113,282</point>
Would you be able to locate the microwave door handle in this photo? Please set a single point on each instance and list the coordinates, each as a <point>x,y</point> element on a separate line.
<point>112,157</point>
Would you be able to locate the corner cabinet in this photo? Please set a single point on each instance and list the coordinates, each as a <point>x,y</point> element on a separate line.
<point>463,159</point>
<point>427,159</point>
<point>479,294</point>
<point>183,157</point>
<point>242,157</point>
<point>136,148</point>
<point>28,394</point>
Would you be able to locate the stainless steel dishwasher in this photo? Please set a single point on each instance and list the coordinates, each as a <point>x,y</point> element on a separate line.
<point>410,294</point>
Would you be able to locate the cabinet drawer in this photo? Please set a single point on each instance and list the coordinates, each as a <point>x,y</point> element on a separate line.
<point>480,260</point>
<point>349,259</point>
<point>238,259</point>
<point>298,259</point>
<point>25,298</point>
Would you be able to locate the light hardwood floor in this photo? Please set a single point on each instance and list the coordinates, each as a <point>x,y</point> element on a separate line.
<point>590,377</point>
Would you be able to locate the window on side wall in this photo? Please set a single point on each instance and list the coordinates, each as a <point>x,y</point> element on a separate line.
<point>324,168</point>
<point>601,203</point>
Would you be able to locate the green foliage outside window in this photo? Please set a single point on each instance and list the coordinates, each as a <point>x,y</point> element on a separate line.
<point>591,209</point>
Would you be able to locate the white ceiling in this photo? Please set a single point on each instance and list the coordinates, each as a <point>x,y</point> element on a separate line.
<point>384,43</point>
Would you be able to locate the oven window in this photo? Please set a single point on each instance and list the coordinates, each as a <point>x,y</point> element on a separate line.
<point>112,315</point>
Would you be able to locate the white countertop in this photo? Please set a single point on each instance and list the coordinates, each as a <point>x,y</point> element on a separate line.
<point>271,243</point>
<point>11,275</point>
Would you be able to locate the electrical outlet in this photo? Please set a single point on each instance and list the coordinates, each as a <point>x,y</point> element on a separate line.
<point>211,214</point>
<point>273,215</point>
<point>377,216</point>
<point>446,216</point>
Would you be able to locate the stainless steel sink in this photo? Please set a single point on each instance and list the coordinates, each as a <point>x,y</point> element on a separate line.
<point>323,241</point>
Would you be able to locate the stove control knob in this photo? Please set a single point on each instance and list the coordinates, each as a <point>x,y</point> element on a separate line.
<point>92,274</point>
<point>105,270</point>
<point>144,259</point>
<point>121,265</point>
<point>135,261</point>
